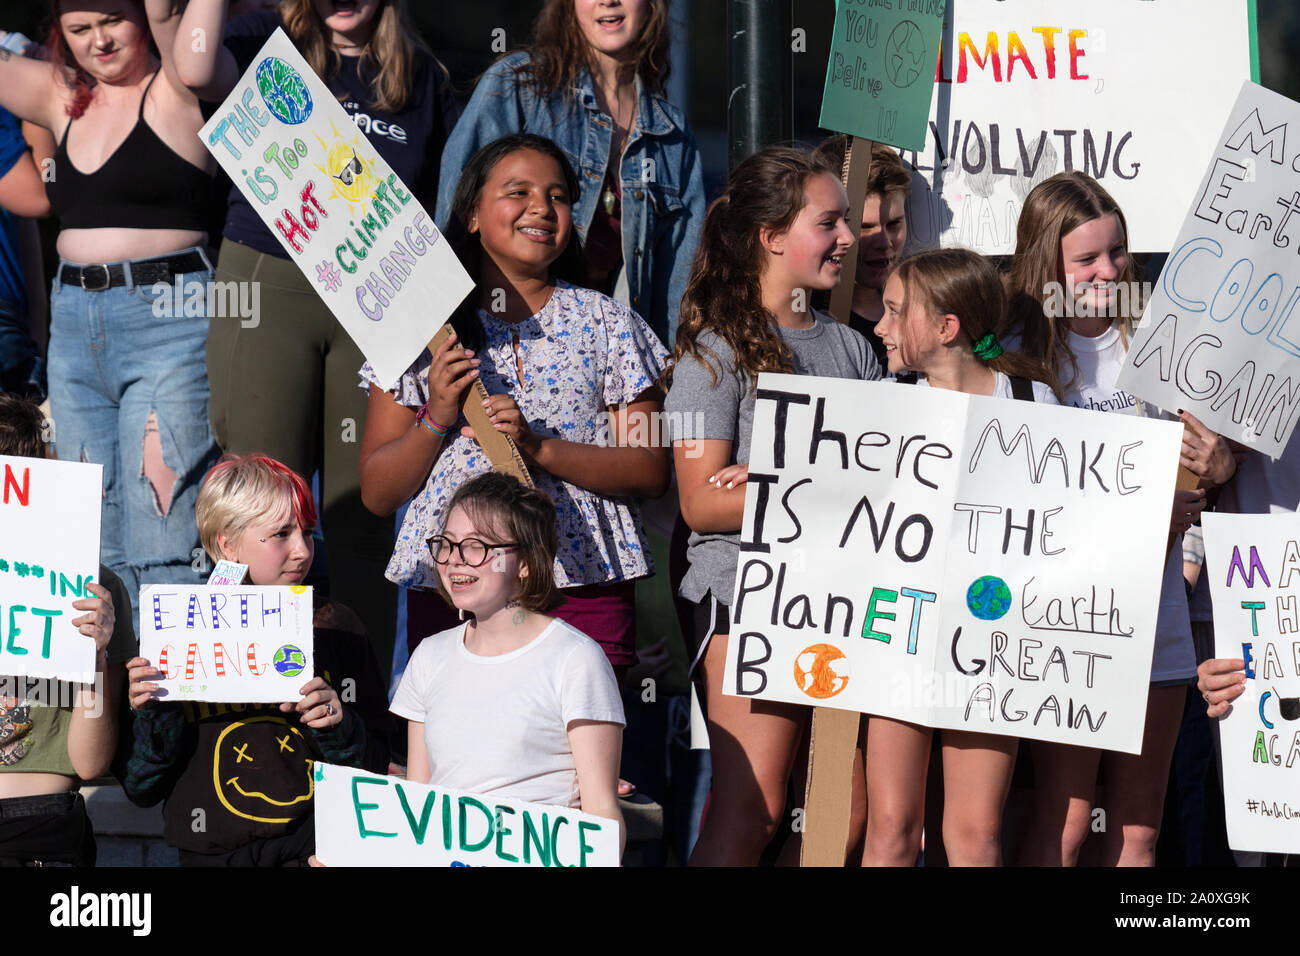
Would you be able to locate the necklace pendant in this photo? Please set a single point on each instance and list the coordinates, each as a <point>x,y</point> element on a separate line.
<point>607,200</point>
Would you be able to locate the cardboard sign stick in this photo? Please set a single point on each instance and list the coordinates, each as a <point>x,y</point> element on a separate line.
<point>500,448</point>
<point>834,738</point>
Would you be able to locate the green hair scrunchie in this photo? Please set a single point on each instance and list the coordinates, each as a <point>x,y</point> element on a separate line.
<point>987,348</point>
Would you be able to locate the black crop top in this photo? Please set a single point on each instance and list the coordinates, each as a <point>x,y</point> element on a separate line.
<point>145,184</point>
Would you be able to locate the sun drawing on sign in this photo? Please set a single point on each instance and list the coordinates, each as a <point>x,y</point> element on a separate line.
<point>351,175</point>
<point>821,670</point>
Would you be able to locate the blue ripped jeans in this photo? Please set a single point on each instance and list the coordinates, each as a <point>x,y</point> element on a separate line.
<point>115,357</point>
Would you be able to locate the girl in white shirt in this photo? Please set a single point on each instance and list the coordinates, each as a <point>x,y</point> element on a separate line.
<point>514,702</point>
<point>1074,298</point>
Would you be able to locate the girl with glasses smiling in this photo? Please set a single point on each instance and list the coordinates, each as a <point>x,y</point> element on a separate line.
<point>513,702</point>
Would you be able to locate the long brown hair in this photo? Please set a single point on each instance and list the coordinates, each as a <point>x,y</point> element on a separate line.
<point>724,294</point>
<point>559,51</point>
<point>1054,209</point>
<point>389,57</point>
<point>965,284</point>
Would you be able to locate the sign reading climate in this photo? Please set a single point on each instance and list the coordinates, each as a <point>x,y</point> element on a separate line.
<point>369,248</point>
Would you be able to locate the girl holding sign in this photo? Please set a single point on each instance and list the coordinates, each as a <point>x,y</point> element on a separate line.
<point>593,81</point>
<point>127,386</point>
<point>282,380</point>
<point>246,769</point>
<point>572,375</point>
<point>777,234</point>
<point>514,703</point>
<point>1073,302</point>
<point>944,310</point>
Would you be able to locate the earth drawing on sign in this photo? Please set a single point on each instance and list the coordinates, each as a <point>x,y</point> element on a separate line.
<point>905,54</point>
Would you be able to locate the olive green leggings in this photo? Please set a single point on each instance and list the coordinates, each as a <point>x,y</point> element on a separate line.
<point>284,382</point>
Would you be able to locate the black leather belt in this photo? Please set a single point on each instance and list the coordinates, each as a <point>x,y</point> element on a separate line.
<point>97,278</point>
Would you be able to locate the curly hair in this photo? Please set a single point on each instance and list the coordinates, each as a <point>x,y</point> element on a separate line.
<point>724,293</point>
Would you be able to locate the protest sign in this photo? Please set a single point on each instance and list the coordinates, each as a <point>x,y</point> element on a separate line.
<point>880,73</point>
<point>238,645</point>
<point>369,248</point>
<point>1116,88</point>
<point>1220,336</point>
<point>366,819</point>
<point>49,552</point>
<point>952,560</point>
<point>1254,566</point>
<point>228,572</point>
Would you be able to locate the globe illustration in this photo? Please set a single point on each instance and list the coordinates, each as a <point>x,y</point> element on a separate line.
<point>283,91</point>
<point>904,54</point>
<point>821,671</point>
<point>289,661</point>
<point>988,598</point>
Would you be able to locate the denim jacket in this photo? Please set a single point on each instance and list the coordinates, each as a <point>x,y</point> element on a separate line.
<point>663,183</point>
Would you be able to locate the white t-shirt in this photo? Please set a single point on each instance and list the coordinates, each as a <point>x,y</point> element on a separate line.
<point>499,725</point>
<point>1100,360</point>
<point>1042,392</point>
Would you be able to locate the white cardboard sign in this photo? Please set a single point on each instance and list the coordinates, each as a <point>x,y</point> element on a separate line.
<point>237,645</point>
<point>49,552</point>
<point>1029,88</point>
<point>1254,566</point>
<point>1220,336</point>
<point>956,561</point>
<point>366,244</point>
<point>366,819</point>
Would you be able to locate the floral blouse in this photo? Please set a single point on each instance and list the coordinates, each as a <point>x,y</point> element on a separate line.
<point>582,353</point>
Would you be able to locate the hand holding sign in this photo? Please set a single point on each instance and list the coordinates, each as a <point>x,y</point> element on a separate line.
<point>1205,453</point>
<point>1220,681</point>
<point>450,374</point>
<point>97,623</point>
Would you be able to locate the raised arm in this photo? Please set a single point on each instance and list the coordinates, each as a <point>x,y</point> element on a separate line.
<point>200,60</point>
<point>29,90</point>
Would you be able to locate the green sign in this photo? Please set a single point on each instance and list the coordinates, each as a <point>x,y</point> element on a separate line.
<point>881,70</point>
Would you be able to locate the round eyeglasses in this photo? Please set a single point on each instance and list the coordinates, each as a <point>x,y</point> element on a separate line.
<point>473,552</point>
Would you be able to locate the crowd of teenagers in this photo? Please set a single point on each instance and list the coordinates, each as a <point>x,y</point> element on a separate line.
<point>552,634</point>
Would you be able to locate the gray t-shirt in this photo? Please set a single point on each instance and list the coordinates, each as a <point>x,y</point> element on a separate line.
<point>699,409</point>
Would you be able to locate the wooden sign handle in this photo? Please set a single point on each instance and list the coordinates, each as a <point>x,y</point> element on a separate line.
<point>500,448</point>
<point>831,748</point>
